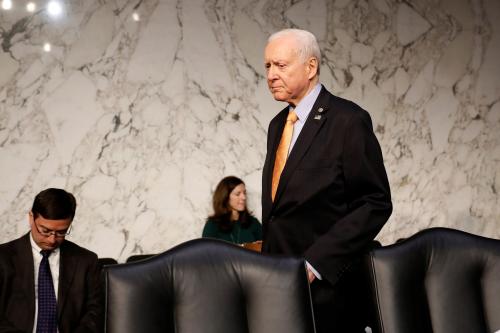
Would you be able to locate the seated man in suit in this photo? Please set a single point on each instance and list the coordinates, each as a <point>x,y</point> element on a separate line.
<point>47,283</point>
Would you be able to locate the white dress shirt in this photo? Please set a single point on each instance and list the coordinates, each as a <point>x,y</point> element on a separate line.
<point>302,111</point>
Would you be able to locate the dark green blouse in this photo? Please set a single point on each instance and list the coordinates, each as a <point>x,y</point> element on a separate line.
<point>237,234</point>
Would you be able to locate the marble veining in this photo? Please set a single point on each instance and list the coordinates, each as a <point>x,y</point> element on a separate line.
<point>141,119</point>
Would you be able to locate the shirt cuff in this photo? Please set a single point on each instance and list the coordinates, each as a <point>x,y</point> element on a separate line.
<point>315,272</point>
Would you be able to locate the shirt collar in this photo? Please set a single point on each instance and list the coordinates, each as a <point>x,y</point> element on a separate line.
<point>303,109</point>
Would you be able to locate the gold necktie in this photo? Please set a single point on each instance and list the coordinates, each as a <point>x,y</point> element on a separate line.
<point>282,152</point>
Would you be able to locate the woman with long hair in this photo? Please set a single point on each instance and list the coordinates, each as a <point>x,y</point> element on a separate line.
<point>231,221</point>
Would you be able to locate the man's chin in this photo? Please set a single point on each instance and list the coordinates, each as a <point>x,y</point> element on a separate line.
<point>279,96</point>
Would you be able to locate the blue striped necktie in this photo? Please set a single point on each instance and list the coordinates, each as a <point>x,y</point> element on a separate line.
<point>47,311</point>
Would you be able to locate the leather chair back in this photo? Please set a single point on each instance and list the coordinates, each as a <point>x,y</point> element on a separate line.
<point>106,261</point>
<point>440,280</point>
<point>209,286</point>
<point>137,257</point>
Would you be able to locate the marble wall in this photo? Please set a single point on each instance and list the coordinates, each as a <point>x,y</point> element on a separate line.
<point>140,118</point>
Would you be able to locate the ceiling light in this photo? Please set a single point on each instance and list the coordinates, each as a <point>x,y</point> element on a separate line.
<point>54,8</point>
<point>135,16</point>
<point>47,47</point>
<point>31,7</point>
<point>6,4</point>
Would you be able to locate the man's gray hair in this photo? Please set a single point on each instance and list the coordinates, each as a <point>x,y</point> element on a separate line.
<point>308,45</point>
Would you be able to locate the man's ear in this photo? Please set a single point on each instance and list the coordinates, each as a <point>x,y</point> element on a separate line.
<point>312,66</point>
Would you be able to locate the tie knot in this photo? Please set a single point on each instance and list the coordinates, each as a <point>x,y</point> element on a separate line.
<point>45,253</point>
<point>292,116</point>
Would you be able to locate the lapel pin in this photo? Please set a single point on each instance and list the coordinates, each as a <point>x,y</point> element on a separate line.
<point>320,110</point>
<point>317,117</point>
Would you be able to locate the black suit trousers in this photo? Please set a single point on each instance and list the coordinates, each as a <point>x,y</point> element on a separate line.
<point>345,307</point>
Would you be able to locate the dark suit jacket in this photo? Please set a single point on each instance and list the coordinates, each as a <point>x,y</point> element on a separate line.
<point>333,196</point>
<point>79,302</point>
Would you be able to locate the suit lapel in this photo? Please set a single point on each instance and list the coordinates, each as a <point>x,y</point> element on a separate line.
<point>67,268</point>
<point>317,117</point>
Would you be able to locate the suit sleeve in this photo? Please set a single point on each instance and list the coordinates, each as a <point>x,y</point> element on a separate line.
<point>93,317</point>
<point>6,289</point>
<point>5,325</point>
<point>368,200</point>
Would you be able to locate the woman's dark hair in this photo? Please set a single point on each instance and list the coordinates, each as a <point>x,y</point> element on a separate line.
<point>54,204</point>
<point>220,204</point>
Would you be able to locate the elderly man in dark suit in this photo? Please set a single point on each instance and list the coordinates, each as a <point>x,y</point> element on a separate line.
<point>325,193</point>
<point>49,284</point>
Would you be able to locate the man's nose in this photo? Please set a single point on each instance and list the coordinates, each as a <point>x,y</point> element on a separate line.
<point>271,73</point>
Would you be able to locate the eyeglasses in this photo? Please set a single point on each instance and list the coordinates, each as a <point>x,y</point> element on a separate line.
<point>47,232</point>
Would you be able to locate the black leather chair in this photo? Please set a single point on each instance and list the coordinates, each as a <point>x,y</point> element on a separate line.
<point>105,261</point>
<point>137,257</point>
<point>438,281</point>
<point>209,286</point>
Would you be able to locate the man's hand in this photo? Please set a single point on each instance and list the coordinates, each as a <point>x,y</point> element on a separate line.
<point>310,276</point>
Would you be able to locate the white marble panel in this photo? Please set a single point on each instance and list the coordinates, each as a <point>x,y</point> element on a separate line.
<point>410,24</point>
<point>8,67</point>
<point>310,15</point>
<point>71,111</point>
<point>93,40</point>
<point>157,45</point>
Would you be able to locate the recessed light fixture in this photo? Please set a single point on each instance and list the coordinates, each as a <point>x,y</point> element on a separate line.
<point>31,7</point>
<point>135,16</point>
<point>47,47</point>
<point>54,8</point>
<point>6,4</point>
